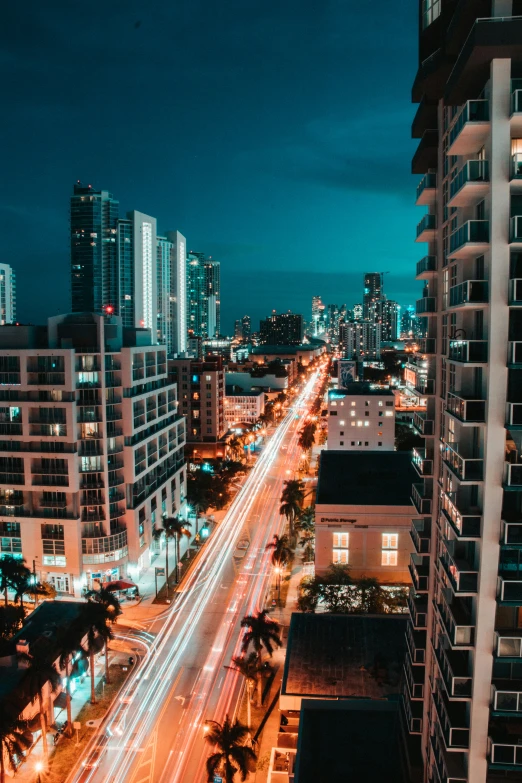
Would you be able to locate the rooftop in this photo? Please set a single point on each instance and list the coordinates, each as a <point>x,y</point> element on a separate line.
<point>233,391</point>
<point>344,655</point>
<point>267,349</point>
<point>365,478</point>
<point>359,389</point>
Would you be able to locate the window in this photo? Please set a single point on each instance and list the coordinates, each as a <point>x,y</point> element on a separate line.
<point>365,442</point>
<point>380,403</point>
<point>367,404</point>
<point>389,558</point>
<point>333,404</point>
<point>380,414</point>
<point>353,443</point>
<point>389,404</point>
<point>366,413</point>
<point>352,413</point>
<point>333,413</point>
<point>208,377</point>
<point>430,12</point>
<point>390,540</point>
<point>341,433</point>
<point>340,547</point>
<point>389,413</point>
<point>359,423</point>
<point>341,423</point>
<point>341,443</point>
<point>380,443</point>
<point>340,556</point>
<point>366,423</point>
<point>353,404</point>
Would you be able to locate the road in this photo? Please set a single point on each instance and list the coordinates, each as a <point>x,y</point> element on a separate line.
<point>154,733</point>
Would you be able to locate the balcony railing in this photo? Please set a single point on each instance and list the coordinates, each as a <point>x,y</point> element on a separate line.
<point>416,643</point>
<point>456,619</point>
<point>426,227</point>
<point>466,409</point>
<point>453,665</point>
<point>418,607</point>
<point>515,229</point>
<point>462,575</point>
<point>512,476</point>
<point>428,182</point>
<point>508,644</point>
<point>425,387</point>
<point>516,101</point>
<point>104,544</point>
<point>426,265</point>
<point>465,468</point>
<point>473,232</point>
<point>420,533</point>
<point>428,304</point>
<point>472,111</point>
<point>507,753</point>
<point>422,464</point>
<point>472,171</point>
<point>419,569</point>
<point>506,700</point>
<point>453,721</point>
<point>514,353</point>
<point>468,351</point>
<point>509,591</point>
<point>515,291</point>
<point>514,414</point>
<point>469,293</point>
<point>511,534</point>
<point>516,166</point>
<point>427,345</point>
<point>420,499</point>
<point>414,679</point>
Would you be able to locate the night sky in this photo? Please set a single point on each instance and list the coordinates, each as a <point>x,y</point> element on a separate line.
<point>275,134</point>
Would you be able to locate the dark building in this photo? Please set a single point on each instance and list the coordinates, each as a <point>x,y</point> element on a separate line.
<point>94,254</point>
<point>372,295</point>
<point>246,327</point>
<point>282,329</point>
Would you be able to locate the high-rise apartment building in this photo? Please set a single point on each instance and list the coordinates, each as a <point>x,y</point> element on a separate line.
<point>318,316</point>
<point>361,340</point>
<point>246,327</point>
<point>213,298</point>
<point>463,691</point>
<point>137,297</point>
<point>172,291</point>
<point>92,448</point>
<point>201,385</point>
<point>389,314</point>
<point>357,313</point>
<point>203,296</point>
<point>94,257</point>
<point>281,329</point>
<point>7,295</point>
<point>373,291</point>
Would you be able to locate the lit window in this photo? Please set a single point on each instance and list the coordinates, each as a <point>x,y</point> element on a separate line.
<point>366,423</point>
<point>389,558</point>
<point>359,423</point>
<point>380,403</point>
<point>352,413</point>
<point>430,12</point>
<point>341,423</point>
<point>390,540</point>
<point>341,540</point>
<point>353,404</point>
<point>333,404</point>
<point>389,413</point>
<point>340,556</point>
<point>352,423</point>
<point>208,377</point>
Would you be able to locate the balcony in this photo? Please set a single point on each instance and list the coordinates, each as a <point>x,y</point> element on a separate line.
<point>104,549</point>
<point>414,676</point>
<point>514,361</point>
<point>515,232</point>
<point>453,721</point>
<point>53,503</point>
<point>424,387</point>
<point>93,516</point>
<point>426,306</point>
<point>516,173</point>
<point>511,535</point>
<point>425,267</point>
<point>514,415</point>
<point>464,519</point>
<point>424,426</point>
<point>464,468</point>
<point>10,428</point>
<point>418,607</point>
<point>462,575</point>
<point>427,229</point>
<point>456,620</point>
<point>508,645</point>
<point>419,568</point>
<point>505,745</point>
<point>427,190</point>
<point>420,533</point>
<point>469,294</point>
<point>468,351</point>
<point>506,698</point>
<point>470,240</point>
<point>516,112</point>
<point>512,476</point>
<point>515,292</point>
<point>454,669</point>
<point>470,185</point>
<point>422,464</point>
<point>448,767</point>
<point>509,591</point>
<point>467,410</point>
<point>470,129</point>
<point>421,499</point>
<point>427,346</point>
<point>416,643</point>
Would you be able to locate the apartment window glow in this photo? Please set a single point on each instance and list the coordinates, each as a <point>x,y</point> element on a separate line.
<point>340,556</point>
<point>352,413</point>
<point>390,540</point>
<point>389,558</point>
<point>341,540</point>
<point>359,423</point>
<point>388,413</point>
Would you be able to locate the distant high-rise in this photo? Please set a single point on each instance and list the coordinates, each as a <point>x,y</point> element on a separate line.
<point>318,316</point>
<point>94,258</point>
<point>246,327</point>
<point>213,297</point>
<point>172,292</point>
<point>7,295</point>
<point>137,263</point>
<point>203,295</point>
<point>390,318</point>
<point>372,294</point>
<point>282,329</point>
<point>361,340</point>
<point>357,312</point>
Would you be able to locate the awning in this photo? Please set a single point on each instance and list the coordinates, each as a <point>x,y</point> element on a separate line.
<point>119,584</point>
<point>60,702</point>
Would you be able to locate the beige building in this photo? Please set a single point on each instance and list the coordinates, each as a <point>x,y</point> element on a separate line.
<point>363,514</point>
<point>361,418</point>
<point>243,407</point>
<point>91,453</point>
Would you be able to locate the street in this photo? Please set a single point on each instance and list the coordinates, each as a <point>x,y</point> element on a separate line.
<point>154,733</point>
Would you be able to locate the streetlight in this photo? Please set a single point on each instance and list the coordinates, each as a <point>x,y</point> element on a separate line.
<point>278,582</point>
<point>38,768</point>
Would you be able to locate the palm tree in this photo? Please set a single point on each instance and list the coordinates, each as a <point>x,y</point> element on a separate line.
<point>12,570</point>
<point>235,448</point>
<point>305,522</point>
<point>307,436</point>
<point>232,755</point>
<point>281,555</point>
<point>178,527</point>
<point>249,669</point>
<point>94,617</point>
<point>112,607</point>
<point>14,741</point>
<point>292,499</point>
<point>169,529</point>
<point>68,644</point>
<point>261,632</point>
<point>40,672</point>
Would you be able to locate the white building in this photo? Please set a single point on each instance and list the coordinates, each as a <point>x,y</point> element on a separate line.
<point>92,448</point>
<point>243,407</point>
<point>172,291</point>
<point>7,295</point>
<point>361,419</point>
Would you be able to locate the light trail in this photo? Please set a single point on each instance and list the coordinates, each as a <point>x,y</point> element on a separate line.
<point>145,693</point>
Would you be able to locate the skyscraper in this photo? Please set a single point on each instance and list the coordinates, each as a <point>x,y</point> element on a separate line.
<point>94,262</point>
<point>361,340</point>
<point>203,295</point>
<point>372,294</point>
<point>246,327</point>
<point>281,329</point>
<point>172,291</point>
<point>318,316</point>
<point>212,298</point>
<point>7,295</point>
<point>390,319</point>
<point>463,670</point>
<point>137,263</point>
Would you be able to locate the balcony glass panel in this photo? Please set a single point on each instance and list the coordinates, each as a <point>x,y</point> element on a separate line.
<point>472,171</point>
<point>428,304</point>
<point>471,232</point>
<point>465,468</point>
<point>515,291</point>
<point>515,229</point>
<point>466,409</point>
<point>469,292</point>
<point>468,351</point>
<point>426,264</point>
<point>428,223</point>
<point>515,353</point>
<point>422,464</point>
<point>513,475</point>
<point>511,534</point>
<point>472,111</point>
<point>429,181</point>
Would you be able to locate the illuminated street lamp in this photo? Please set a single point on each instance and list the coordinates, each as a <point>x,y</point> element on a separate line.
<point>38,768</point>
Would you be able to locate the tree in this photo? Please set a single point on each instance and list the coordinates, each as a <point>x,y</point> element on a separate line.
<point>405,438</point>
<point>292,499</point>
<point>339,593</point>
<point>41,671</point>
<point>11,619</point>
<point>12,571</point>
<point>232,755</point>
<point>236,448</point>
<point>249,668</point>
<point>262,632</point>
<point>307,436</point>
<point>94,617</point>
<point>281,555</point>
<point>177,528</point>
<point>112,606</point>
<point>305,522</point>
<point>15,739</point>
<point>68,644</point>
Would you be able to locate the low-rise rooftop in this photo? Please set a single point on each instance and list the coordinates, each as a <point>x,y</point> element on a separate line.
<point>359,389</point>
<point>370,478</point>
